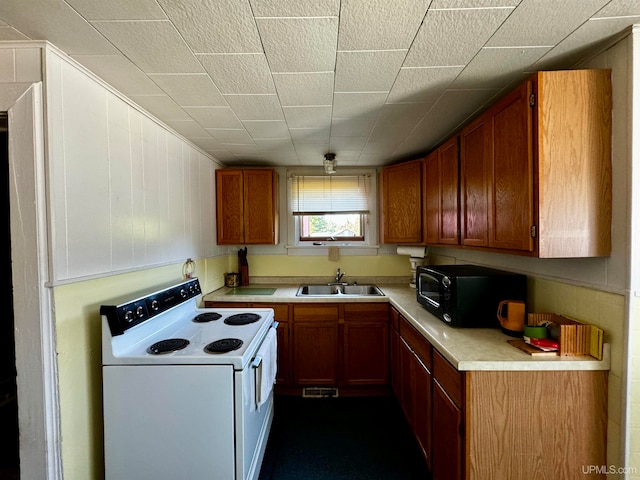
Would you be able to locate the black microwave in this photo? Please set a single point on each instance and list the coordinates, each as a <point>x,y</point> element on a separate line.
<point>467,295</point>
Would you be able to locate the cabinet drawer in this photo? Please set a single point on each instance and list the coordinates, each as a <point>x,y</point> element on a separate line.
<point>416,341</point>
<point>315,313</point>
<point>448,377</point>
<point>378,312</point>
<point>280,310</point>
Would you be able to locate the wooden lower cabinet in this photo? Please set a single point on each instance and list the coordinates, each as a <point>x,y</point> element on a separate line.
<point>478,425</point>
<point>365,344</point>
<point>341,344</point>
<point>415,384</point>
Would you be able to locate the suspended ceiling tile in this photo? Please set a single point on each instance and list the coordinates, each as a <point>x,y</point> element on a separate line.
<point>312,153</point>
<point>379,24</point>
<point>472,3</point>
<point>308,117</point>
<point>242,148</point>
<point>276,145</point>
<point>207,143</point>
<point>573,48</point>
<point>119,72</point>
<point>299,8</point>
<point>239,73</point>
<point>348,143</point>
<point>471,29</point>
<point>230,135</point>
<point>396,121</point>
<point>619,8</point>
<point>266,128</point>
<point>57,22</point>
<point>299,44</point>
<point>188,128</point>
<point>310,135</point>
<point>368,71</point>
<point>190,89</point>
<point>255,107</point>
<point>352,104</point>
<point>495,67</point>
<point>304,88</point>
<point>214,117</point>
<point>422,85</point>
<point>10,34</point>
<point>161,106</point>
<point>542,23</point>
<point>220,26</point>
<point>360,126</point>
<point>118,9</point>
<point>155,46</point>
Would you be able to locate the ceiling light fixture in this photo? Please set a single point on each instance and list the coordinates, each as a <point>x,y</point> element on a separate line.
<point>330,163</point>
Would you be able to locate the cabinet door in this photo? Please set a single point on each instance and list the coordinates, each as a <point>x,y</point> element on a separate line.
<point>401,203</point>
<point>475,161</point>
<point>511,196</point>
<point>394,354</point>
<point>260,206</point>
<point>447,446</point>
<point>315,353</point>
<point>315,344</point>
<point>229,207</point>
<point>422,408</point>
<point>365,347</point>
<point>440,181</point>
<point>449,220</point>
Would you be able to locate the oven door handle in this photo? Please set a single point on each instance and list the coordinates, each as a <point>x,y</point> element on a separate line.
<point>258,359</point>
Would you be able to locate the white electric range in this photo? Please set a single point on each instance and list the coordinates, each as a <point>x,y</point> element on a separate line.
<point>187,391</point>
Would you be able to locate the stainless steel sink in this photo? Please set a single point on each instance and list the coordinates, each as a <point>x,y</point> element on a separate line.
<point>339,290</point>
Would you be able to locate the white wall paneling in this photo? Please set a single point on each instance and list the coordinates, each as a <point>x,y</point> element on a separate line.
<point>126,192</point>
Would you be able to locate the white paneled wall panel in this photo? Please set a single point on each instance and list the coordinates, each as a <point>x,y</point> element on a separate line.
<point>120,185</point>
<point>126,193</point>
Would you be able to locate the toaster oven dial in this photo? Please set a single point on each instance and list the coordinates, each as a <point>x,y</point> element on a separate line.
<point>446,282</point>
<point>447,318</point>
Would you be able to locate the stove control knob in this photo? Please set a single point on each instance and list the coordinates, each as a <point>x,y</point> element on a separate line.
<point>155,305</point>
<point>183,293</point>
<point>128,316</point>
<point>140,311</point>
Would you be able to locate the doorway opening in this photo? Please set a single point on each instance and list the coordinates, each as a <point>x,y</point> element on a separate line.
<point>8,393</point>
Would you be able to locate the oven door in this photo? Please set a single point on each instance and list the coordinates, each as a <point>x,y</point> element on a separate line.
<point>429,290</point>
<point>253,417</point>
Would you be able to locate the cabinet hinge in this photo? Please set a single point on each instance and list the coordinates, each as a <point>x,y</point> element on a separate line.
<point>533,231</point>
<point>532,100</point>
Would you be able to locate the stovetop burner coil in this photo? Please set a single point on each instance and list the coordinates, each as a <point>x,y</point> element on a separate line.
<point>207,317</point>
<point>167,346</point>
<point>242,319</point>
<point>223,345</point>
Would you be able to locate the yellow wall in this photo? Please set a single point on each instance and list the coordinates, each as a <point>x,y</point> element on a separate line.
<point>78,336</point>
<point>319,266</point>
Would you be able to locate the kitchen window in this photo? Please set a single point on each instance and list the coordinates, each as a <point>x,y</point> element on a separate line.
<point>328,210</point>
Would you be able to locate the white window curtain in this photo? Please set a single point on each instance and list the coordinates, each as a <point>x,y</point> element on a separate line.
<point>322,194</point>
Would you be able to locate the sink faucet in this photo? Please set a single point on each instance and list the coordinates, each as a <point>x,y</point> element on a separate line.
<point>339,275</point>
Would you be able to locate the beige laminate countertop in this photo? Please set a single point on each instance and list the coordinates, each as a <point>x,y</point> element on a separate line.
<point>467,349</point>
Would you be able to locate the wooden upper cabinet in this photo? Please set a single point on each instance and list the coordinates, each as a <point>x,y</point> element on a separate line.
<point>440,182</point>
<point>511,187</point>
<point>246,206</point>
<point>401,203</point>
<point>475,171</point>
<point>535,168</point>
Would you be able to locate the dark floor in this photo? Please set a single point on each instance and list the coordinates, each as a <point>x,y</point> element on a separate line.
<point>347,438</point>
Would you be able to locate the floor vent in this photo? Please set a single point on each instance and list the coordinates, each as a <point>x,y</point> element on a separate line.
<point>319,392</point>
